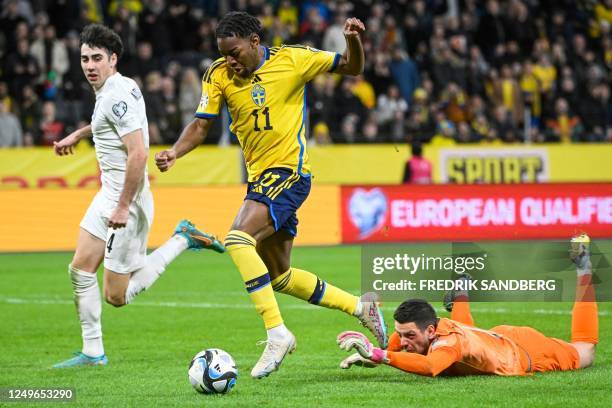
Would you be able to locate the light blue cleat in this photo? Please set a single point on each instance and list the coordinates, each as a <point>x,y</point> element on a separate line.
<point>81,359</point>
<point>196,238</point>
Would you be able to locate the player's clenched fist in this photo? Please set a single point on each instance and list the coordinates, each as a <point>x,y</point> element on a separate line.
<point>353,26</point>
<point>165,159</point>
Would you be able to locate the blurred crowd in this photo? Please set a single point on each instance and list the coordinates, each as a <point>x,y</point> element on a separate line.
<point>441,72</point>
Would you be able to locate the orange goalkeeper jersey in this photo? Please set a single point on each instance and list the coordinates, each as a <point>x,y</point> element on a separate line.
<point>459,349</point>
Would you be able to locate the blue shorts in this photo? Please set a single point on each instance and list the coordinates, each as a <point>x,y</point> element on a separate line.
<point>283,191</point>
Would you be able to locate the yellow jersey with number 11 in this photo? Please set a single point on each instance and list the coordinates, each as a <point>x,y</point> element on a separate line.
<point>268,109</point>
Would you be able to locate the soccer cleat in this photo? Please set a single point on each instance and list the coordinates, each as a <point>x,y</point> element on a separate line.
<point>579,251</point>
<point>197,239</point>
<point>449,297</point>
<point>372,318</point>
<point>273,355</point>
<point>80,360</point>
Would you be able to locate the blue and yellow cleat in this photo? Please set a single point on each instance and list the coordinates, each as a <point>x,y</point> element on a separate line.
<point>81,359</point>
<point>198,239</point>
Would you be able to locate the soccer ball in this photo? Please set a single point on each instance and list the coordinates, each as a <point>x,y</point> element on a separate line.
<point>213,371</point>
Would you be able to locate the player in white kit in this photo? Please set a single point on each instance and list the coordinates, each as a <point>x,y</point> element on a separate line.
<point>116,225</point>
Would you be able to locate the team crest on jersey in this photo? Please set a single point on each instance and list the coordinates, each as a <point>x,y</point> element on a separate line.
<point>203,101</point>
<point>258,94</point>
<point>119,109</point>
<point>135,92</point>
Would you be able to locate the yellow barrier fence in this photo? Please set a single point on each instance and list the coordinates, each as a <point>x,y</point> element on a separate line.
<point>355,164</point>
<point>48,219</point>
<point>40,168</point>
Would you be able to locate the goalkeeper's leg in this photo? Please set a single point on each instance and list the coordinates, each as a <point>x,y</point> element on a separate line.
<point>585,323</point>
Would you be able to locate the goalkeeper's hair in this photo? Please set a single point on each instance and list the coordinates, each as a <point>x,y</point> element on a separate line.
<point>418,311</point>
<point>100,36</point>
<point>239,24</point>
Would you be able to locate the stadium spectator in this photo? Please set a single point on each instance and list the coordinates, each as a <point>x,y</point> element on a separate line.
<point>508,94</point>
<point>363,90</point>
<point>51,55</point>
<point>125,23</point>
<point>550,50</point>
<point>154,27</point>
<point>491,28</point>
<point>370,131</point>
<point>333,40</point>
<point>321,100</point>
<point>10,129</point>
<point>172,124</point>
<point>564,126</point>
<point>421,124</point>
<point>320,135</point>
<point>349,112</point>
<point>595,108</point>
<point>51,129</point>
<point>144,62</point>
<point>390,112</point>
<point>10,19</point>
<point>30,114</point>
<point>155,106</point>
<point>9,102</point>
<point>189,94</point>
<point>503,124</point>
<point>404,72</point>
<point>445,132</point>
<point>76,92</point>
<point>21,68</point>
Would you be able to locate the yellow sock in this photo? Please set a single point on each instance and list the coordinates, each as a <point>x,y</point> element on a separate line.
<point>241,247</point>
<point>307,286</point>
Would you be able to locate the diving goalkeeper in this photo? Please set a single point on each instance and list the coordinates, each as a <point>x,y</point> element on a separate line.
<point>427,345</point>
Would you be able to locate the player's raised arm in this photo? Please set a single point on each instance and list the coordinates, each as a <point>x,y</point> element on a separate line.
<point>66,145</point>
<point>353,59</point>
<point>192,136</point>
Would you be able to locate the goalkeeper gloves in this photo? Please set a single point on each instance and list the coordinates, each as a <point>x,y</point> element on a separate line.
<point>357,360</point>
<point>354,340</point>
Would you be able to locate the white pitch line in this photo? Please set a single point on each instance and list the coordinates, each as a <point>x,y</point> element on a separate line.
<point>198,305</point>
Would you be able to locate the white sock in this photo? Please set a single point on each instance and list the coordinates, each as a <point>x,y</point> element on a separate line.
<point>155,264</point>
<point>278,333</point>
<point>585,269</point>
<point>358,308</point>
<point>88,302</point>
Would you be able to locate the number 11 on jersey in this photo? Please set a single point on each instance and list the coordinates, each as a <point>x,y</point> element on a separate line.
<point>266,112</point>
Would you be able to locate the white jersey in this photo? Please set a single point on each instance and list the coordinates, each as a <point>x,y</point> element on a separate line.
<point>119,110</point>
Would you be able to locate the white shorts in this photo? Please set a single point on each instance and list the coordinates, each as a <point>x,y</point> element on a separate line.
<point>126,248</point>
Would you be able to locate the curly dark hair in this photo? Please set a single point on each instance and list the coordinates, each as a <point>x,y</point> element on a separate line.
<point>239,24</point>
<point>418,311</point>
<point>100,36</point>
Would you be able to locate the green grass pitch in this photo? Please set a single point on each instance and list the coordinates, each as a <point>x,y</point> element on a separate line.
<point>200,302</point>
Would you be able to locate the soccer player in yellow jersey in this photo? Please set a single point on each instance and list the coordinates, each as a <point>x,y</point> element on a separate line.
<point>264,92</point>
